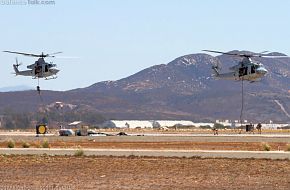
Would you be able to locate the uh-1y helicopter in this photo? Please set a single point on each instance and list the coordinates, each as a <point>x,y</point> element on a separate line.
<point>247,69</point>
<point>39,69</point>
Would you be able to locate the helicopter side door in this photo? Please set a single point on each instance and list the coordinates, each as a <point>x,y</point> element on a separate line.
<point>253,69</point>
<point>46,68</point>
<point>37,69</point>
<point>243,71</point>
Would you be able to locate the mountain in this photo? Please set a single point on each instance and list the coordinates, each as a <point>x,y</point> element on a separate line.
<point>15,88</point>
<point>181,89</point>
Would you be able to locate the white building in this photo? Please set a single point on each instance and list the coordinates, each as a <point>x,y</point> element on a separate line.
<point>146,123</point>
<point>237,123</point>
<point>178,123</point>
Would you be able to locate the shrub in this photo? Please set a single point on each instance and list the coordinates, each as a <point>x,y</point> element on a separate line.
<point>37,144</point>
<point>45,144</point>
<point>10,143</point>
<point>25,145</point>
<point>266,147</point>
<point>288,147</point>
<point>79,152</point>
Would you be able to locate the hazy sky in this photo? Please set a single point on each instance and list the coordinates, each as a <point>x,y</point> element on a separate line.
<point>117,38</point>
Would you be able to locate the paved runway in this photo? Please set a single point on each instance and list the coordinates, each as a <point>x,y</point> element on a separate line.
<point>141,152</point>
<point>153,137</point>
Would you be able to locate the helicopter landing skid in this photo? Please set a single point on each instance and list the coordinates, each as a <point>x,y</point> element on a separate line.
<point>55,77</point>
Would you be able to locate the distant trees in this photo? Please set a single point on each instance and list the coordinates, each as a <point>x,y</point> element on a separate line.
<point>205,127</point>
<point>89,117</point>
<point>220,126</point>
<point>11,119</point>
<point>14,120</point>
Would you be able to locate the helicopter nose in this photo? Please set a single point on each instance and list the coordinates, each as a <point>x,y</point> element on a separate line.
<point>262,71</point>
<point>54,71</point>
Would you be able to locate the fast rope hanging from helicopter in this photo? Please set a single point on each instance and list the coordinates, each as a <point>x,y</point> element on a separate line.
<point>242,108</point>
<point>45,114</point>
<point>38,90</point>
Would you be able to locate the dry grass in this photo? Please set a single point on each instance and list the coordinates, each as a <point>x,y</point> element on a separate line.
<point>25,145</point>
<point>187,145</point>
<point>288,147</point>
<point>45,144</point>
<point>265,146</point>
<point>10,143</point>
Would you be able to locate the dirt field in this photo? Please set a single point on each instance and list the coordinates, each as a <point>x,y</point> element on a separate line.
<point>44,172</point>
<point>71,172</point>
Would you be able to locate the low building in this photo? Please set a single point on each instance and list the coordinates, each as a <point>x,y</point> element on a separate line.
<point>173,123</point>
<point>132,124</point>
<point>145,123</point>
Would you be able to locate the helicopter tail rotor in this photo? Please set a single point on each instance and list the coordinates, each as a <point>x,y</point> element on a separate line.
<point>216,68</point>
<point>17,64</point>
<point>15,67</point>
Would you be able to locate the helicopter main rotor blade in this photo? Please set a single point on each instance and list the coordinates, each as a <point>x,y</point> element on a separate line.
<point>262,54</point>
<point>234,54</point>
<point>275,56</point>
<point>267,55</point>
<point>67,57</point>
<point>21,53</point>
<point>34,55</point>
<point>52,54</point>
<point>222,52</point>
<point>55,53</point>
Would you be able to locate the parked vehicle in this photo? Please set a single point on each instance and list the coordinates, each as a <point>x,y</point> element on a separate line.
<point>66,132</point>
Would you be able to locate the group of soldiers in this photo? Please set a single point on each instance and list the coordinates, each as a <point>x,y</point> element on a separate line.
<point>249,128</point>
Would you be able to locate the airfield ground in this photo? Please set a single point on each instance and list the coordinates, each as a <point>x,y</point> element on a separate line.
<point>66,172</point>
<point>250,146</point>
<point>201,140</point>
<point>107,172</point>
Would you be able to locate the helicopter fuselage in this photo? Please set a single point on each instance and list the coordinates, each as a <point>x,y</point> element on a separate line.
<point>245,70</point>
<point>40,69</point>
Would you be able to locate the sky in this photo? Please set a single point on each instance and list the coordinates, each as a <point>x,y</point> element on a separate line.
<point>114,39</point>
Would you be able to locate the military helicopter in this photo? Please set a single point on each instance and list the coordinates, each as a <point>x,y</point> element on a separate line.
<point>246,69</point>
<point>39,69</point>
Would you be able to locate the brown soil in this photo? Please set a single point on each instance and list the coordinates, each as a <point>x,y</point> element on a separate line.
<point>251,146</point>
<point>44,172</point>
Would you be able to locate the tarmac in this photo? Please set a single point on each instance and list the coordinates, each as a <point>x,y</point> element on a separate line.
<point>152,137</point>
<point>150,153</point>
